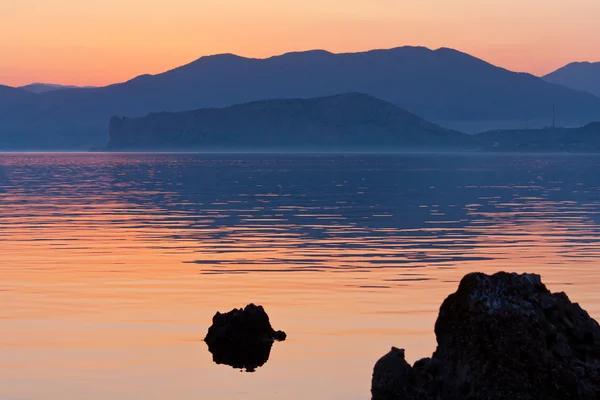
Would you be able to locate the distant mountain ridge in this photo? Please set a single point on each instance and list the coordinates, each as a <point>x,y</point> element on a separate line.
<point>439,85</point>
<point>584,76</point>
<point>585,139</point>
<point>10,94</point>
<point>49,87</point>
<point>341,122</point>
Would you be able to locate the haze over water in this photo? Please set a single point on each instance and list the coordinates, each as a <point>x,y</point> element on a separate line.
<point>113,265</point>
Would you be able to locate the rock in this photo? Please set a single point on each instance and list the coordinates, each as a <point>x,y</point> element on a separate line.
<point>503,336</point>
<point>280,336</point>
<point>242,338</point>
<point>392,377</point>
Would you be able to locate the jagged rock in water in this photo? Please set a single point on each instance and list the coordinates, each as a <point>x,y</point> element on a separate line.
<point>500,337</point>
<point>242,338</point>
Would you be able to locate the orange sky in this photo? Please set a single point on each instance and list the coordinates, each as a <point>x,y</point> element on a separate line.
<point>96,42</point>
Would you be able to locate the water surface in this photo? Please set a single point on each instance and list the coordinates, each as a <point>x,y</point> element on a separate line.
<point>112,265</point>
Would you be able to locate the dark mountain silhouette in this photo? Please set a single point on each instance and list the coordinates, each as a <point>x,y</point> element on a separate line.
<point>10,94</point>
<point>582,76</point>
<point>49,87</point>
<point>441,85</point>
<point>585,139</point>
<point>348,121</point>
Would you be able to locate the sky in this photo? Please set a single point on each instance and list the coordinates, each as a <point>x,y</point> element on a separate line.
<point>98,42</point>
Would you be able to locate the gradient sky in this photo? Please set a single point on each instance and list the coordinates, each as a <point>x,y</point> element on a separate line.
<point>96,42</point>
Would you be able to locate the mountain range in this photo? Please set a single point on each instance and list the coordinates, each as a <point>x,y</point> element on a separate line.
<point>444,86</point>
<point>10,94</point>
<point>584,76</point>
<point>49,87</point>
<point>351,121</point>
<point>583,139</point>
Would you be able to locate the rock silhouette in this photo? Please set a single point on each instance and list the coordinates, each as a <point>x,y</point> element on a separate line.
<point>503,336</point>
<point>242,338</point>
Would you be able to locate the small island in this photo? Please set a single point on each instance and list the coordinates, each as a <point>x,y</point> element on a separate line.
<point>343,123</point>
<point>346,122</point>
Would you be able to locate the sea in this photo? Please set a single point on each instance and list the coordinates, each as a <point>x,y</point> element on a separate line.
<point>113,265</point>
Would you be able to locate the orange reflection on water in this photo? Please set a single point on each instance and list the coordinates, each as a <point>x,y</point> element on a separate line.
<point>112,266</point>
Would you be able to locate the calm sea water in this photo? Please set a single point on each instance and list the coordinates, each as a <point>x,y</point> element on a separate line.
<point>111,266</point>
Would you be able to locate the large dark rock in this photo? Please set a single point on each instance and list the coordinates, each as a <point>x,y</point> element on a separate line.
<point>242,338</point>
<point>500,337</point>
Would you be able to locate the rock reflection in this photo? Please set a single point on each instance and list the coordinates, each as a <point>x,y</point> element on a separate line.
<point>247,358</point>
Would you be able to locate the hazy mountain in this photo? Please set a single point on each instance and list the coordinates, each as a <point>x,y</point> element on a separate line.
<point>582,76</point>
<point>347,121</point>
<point>584,139</point>
<point>10,94</point>
<point>49,87</point>
<point>441,85</point>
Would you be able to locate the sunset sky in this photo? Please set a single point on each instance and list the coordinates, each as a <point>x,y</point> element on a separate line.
<point>97,42</point>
